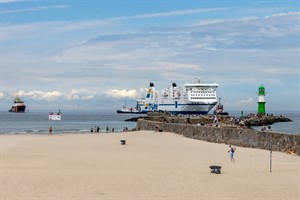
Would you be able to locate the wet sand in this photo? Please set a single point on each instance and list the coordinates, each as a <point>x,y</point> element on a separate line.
<point>152,165</point>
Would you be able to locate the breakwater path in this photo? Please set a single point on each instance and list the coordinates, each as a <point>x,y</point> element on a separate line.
<point>238,136</point>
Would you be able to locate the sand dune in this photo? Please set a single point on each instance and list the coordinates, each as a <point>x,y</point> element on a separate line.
<point>152,165</point>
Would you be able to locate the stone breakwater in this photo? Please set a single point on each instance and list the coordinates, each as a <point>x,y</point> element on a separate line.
<point>243,137</point>
<point>248,121</point>
<point>265,120</point>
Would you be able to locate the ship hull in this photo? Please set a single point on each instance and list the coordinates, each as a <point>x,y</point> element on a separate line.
<point>199,109</point>
<point>131,112</point>
<point>18,109</point>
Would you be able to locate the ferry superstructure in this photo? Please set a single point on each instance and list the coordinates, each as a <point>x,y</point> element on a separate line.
<point>191,98</point>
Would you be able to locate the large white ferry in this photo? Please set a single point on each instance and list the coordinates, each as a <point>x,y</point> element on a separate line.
<point>191,98</point>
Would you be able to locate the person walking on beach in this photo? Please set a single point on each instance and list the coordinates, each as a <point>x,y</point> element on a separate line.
<point>50,130</point>
<point>231,150</point>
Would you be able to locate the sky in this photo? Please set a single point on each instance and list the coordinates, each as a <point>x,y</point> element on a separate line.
<point>99,54</point>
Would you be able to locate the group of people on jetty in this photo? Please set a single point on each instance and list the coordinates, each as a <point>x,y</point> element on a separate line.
<point>266,128</point>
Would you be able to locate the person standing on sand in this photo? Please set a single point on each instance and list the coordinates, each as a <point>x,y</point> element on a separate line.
<point>231,150</point>
<point>50,130</point>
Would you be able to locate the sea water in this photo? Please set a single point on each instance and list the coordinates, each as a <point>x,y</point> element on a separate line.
<point>71,122</point>
<point>36,122</point>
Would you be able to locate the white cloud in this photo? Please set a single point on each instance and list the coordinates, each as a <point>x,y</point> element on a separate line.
<point>282,14</point>
<point>9,1</point>
<point>176,66</point>
<point>121,93</point>
<point>279,71</point>
<point>39,8</point>
<point>250,33</point>
<point>2,95</point>
<point>244,102</point>
<point>6,96</point>
<point>40,95</point>
<point>83,94</point>
<point>74,94</point>
<point>48,28</point>
<point>173,13</point>
<point>220,21</point>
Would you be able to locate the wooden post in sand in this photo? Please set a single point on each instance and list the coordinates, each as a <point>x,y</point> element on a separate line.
<point>270,155</point>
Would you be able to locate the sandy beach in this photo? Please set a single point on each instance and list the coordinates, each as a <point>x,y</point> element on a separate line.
<point>152,165</point>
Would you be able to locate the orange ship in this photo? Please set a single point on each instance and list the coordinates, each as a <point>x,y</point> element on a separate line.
<point>18,106</point>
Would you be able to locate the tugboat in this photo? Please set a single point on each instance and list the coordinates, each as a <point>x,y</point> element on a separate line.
<point>18,106</point>
<point>220,110</point>
<point>132,110</point>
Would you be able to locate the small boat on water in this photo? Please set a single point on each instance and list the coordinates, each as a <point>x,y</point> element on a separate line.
<point>19,106</point>
<point>220,110</point>
<point>131,110</point>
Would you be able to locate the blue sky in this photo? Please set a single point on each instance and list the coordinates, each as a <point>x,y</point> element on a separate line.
<point>99,54</point>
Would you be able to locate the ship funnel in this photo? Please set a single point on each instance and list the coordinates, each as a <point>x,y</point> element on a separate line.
<point>174,85</point>
<point>151,84</point>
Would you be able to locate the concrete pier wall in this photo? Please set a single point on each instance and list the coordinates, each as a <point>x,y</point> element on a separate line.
<point>234,136</point>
